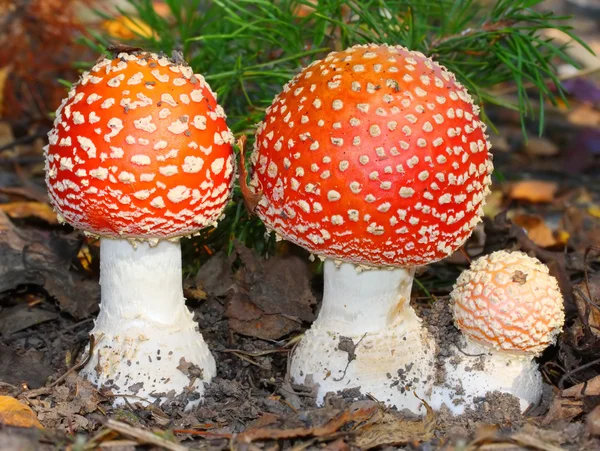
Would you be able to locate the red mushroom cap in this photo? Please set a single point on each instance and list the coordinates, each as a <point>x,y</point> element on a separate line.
<point>140,149</point>
<point>374,155</point>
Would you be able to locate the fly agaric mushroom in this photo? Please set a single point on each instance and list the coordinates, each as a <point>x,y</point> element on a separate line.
<point>375,159</point>
<point>509,309</point>
<point>141,155</point>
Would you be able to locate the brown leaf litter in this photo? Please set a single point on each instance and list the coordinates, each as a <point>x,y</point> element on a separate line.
<point>267,299</point>
<point>35,257</point>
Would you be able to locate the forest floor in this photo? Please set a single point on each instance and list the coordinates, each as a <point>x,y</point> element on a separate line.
<point>547,204</point>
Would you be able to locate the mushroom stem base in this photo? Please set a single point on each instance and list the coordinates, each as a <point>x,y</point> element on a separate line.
<point>368,337</point>
<point>470,377</point>
<point>147,345</point>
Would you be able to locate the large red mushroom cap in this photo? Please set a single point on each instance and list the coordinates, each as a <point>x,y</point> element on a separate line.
<point>140,149</point>
<point>374,155</point>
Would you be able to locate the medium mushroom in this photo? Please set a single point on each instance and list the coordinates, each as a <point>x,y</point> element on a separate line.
<point>140,155</point>
<point>509,309</point>
<point>374,159</point>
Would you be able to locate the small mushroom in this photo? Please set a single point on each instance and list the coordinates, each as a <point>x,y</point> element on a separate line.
<point>140,155</point>
<point>375,160</point>
<point>509,309</point>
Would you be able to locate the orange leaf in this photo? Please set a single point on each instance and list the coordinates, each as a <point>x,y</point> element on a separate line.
<point>585,115</point>
<point>127,29</point>
<point>533,191</point>
<point>15,413</point>
<point>4,72</point>
<point>20,210</point>
<point>537,230</point>
<point>594,210</point>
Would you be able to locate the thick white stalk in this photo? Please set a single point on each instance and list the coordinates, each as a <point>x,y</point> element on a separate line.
<point>479,370</point>
<point>367,313</point>
<point>144,331</point>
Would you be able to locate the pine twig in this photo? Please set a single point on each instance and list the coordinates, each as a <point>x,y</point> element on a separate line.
<point>488,27</point>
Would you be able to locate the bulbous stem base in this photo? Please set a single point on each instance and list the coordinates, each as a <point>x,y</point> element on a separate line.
<point>484,370</point>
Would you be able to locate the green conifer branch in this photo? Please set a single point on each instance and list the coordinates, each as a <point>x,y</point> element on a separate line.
<point>247,49</point>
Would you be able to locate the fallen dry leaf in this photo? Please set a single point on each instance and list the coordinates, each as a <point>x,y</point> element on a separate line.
<point>4,71</point>
<point>584,115</point>
<point>6,134</point>
<point>272,297</point>
<point>540,147</point>
<point>15,413</point>
<point>214,277</point>
<point>536,228</point>
<point>126,28</point>
<point>582,226</point>
<point>593,421</point>
<point>22,316</point>
<point>360,414</point>
<point>594,210</point>
<point>65,406</point>
<point>41,258</point>
<point>143,436</point>
<point>570,402</point>
<point>530,437</point>
<point>588,302</point>
<point>28,367</point>
<point>26,210</point>
<point>535,191</point>
<point>338,445</point>
<point>388,428</point>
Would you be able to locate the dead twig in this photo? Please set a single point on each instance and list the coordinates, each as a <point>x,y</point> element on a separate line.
<point>568,374</point>
<point>326,430</point>
<point>143,436</point>
<point>250,198</point>
<point>243,357</point>
<point>257,354</point>
<point>585,268</point>
<point>485,28</point>
<point>465,254</point>
<point>202,433</point>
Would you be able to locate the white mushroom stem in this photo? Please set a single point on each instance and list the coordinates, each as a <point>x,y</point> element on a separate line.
<point>479,370</point>
<point>394,353</point>
<point>145,336</point>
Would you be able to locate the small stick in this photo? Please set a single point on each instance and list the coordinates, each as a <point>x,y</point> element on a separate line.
<point>143,436</point>
<point>251,199</point>
<point>202,433</point>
